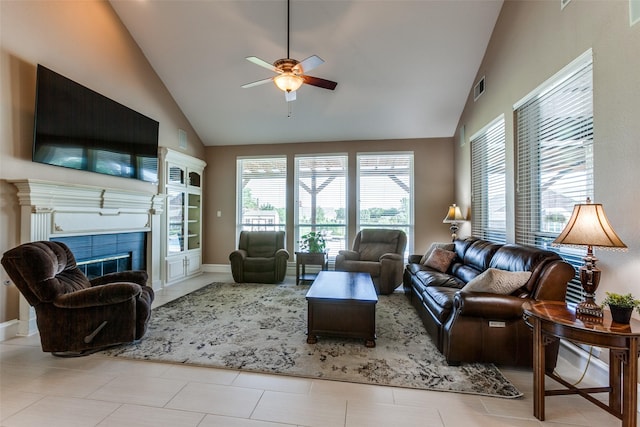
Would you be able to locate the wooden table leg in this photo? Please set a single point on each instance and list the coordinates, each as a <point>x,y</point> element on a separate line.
<point>615,376</point>
<point>538,370</point>
<point>629,385</point>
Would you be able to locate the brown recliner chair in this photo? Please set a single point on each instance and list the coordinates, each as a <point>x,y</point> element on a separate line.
<point>76,315</point>
<point>379,252</point>
<point>260,257</point>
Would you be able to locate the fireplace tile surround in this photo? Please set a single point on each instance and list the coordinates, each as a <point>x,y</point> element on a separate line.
<point>59,211</point>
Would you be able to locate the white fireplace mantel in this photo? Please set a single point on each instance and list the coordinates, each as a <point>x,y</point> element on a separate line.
<point>54,209</point>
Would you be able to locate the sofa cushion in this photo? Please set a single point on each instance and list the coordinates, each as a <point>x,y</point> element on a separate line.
<point>436,278</point>
<point>439,301</point>
<point>498,281</point>
<point>479,254</point>
<point>440,259</point>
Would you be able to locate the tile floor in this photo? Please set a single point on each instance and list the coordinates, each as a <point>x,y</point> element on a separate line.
<point>37,389</point>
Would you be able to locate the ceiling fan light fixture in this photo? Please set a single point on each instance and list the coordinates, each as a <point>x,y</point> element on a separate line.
<point>288,82</point>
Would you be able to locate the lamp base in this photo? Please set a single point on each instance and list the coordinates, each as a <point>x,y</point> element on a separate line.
<point>589,308</point>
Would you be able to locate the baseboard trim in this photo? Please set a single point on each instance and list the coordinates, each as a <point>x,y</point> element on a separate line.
<point>226,268</point>
<point>9,329</point>
<point>598,369</point>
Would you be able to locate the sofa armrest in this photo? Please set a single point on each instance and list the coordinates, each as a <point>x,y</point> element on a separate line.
<point>414,259</point>
<point>134,276</point>
<point>113,293</point>
<point>488,305</point>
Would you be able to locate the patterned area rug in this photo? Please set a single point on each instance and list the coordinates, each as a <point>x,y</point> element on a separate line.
<point>261,328</point>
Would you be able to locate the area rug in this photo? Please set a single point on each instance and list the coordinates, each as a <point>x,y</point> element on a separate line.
<point>262,328</point>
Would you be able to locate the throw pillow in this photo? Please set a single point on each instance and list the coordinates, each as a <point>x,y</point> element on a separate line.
<point>440,259</point>
<point>442,245</point>
<point>498,281</point>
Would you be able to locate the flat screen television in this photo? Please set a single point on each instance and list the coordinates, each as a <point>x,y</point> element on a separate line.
<point>76,127</point>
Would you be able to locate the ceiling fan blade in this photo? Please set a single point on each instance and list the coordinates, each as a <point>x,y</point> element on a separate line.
<point>316,81</point>
<point>261,63</point>
<point>258,83</point>
<point>308,64</point>
<point>290,96</point>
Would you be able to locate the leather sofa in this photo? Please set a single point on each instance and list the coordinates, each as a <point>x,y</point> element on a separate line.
<point>487,327</point>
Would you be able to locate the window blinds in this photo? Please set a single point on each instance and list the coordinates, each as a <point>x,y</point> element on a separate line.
<point>554,131</point>
<point>385,191</point>
<point>263,195</point>
<point>488,198</point>
<point>321,198</point>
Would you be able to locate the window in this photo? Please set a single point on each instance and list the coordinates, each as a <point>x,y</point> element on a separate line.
<point>489,204</point>
<point>262,201</point>
<point>385,192</point>
<point>321,198</point>
<point>554,131</point>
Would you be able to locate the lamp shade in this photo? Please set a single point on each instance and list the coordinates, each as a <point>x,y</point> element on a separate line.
<point>288,82</point>
<point>589,226</point>
<point>454,215</point>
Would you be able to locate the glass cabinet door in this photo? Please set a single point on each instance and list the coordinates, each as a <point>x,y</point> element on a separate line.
<point>175,203</point>
<point>193,220</point>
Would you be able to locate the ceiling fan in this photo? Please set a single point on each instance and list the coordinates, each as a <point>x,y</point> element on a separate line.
<point>291,72</point>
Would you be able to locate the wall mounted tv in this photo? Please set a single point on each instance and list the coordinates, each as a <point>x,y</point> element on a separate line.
<point>78,128</point>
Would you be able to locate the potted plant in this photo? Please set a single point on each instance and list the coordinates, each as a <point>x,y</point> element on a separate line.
<point>621,306</point>
<point>313,242</point>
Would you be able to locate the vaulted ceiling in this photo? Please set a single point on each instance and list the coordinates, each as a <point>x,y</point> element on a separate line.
<point>404,68</point>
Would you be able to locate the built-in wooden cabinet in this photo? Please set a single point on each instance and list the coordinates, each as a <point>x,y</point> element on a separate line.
<point>182,184</point>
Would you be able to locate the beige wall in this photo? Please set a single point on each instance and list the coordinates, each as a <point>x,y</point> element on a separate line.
<point>531,42</point>
<point>85,41</point>
<point>433,178</point>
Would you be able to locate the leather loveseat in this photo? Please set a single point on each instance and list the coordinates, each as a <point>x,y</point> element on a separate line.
<point>471,326</point>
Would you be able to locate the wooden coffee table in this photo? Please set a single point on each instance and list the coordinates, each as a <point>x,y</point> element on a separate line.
<point>342,304</point>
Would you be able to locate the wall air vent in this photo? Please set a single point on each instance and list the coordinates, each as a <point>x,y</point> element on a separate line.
<point>478,89</point>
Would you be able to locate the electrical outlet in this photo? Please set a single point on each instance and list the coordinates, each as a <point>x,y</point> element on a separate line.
<point>4,279</point>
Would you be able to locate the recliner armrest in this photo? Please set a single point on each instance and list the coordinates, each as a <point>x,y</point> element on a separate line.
<point>282,253</point>
<point>238,254</point>
<point>113,293</point>
<point>350,255</point>
<point>135,276</point>
<point>488,305</point>
<point>391,256</point>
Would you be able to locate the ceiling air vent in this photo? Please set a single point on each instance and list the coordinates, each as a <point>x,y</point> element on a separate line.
<point>478,89</point>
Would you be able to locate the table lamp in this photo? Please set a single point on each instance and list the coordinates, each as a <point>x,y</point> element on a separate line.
<point>454,216</point>
<point>589,226</point>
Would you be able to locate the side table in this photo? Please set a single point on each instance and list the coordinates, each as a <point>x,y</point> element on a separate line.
<point>552,320</point>
<point>308,258</point>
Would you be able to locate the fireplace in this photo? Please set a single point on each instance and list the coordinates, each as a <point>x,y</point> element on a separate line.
<point>105,228</point>
<point>99,254</point>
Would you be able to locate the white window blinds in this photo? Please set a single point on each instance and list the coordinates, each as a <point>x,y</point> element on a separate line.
<point>488,202</point>
<point>385,192</point>
<point>321,198</point>
<point>263,193</point>
<point>555,158</point>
